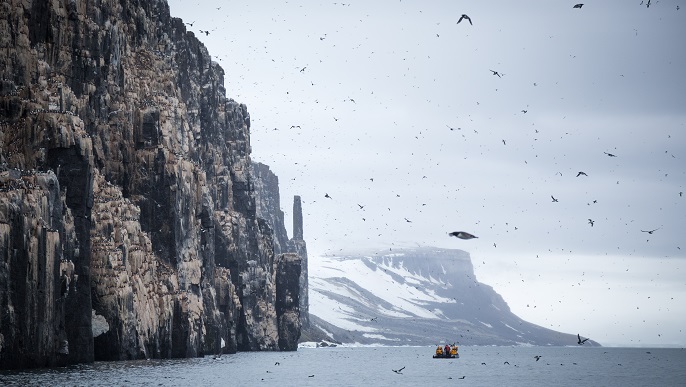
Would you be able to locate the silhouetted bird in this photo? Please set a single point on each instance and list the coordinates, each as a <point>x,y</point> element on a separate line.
<point>578,6</point>
<point>465,17</point>
<point>610,154</point>
<point>651,231</point>
<point>581,174</point>
<point>580,342</point>
<point>538,357</point>
<point>495,73</point>
<point>399,371</point>
<point>303,69</point>
<point>554,200</point>
<point>461,377</point>
<point>408,221</point>
<point>524,111</point>
<point>326,195</point>
<point>361,206</point>
<point>590,221</point>
<point>462,235</point>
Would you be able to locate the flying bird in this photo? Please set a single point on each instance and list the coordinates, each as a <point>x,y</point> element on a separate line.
<point>408,221</point>
<point>591,221</point>
<point>465,17</point>
<point>524,111</point>
<point>578,6</point>
<point>400,371</point>
<point>538,357</point>
<point>651,231</point>
<point>495,73</point>
<point>462,235</point>
<point>326,195</point>
<point>610,154</point>
<point>361,206</point>
<point>580,342</point>
<point>554,200</point>
<point>581,174</point>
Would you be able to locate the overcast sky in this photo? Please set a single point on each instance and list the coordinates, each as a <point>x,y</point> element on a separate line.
<point>392,106</point>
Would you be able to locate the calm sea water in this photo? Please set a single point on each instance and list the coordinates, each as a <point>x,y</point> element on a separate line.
<point>480,366</point>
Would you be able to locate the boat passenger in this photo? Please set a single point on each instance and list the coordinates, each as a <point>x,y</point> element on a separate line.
<point>446,350</point>
<point>453,350</point>
<point>439,351</point>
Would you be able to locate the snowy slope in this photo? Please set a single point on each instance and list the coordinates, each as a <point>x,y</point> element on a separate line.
<point>414,297</point>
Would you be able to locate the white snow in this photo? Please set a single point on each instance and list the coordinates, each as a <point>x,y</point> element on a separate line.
<point>408,298</point>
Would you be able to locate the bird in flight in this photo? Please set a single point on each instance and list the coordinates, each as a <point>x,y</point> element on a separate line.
<point>361,206</point>
<point>538,357</point>
<point>400,371</point>
<point>591,221</point>
<point>326,195</point>
<point>524,111</point>
<point>580,342</point>
<point>578,5</point>
<point>650,231</point>
<point>554,200</point>
<point>462,235</point>
<point>495,73</point>
<point>464,16</point>
<point>295,126</point>
<point>610,154</point>
<point>408,221</point>
<point>581,174</point>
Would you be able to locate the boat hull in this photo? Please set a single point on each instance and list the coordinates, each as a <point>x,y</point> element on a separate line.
<point>456,356</point>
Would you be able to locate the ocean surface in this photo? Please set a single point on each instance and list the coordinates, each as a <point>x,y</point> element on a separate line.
<point>373,366</point>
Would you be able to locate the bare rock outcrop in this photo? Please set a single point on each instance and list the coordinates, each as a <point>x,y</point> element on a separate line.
<point>128,219</point>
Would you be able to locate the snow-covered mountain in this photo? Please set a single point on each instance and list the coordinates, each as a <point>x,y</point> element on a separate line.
<point>417,296</point>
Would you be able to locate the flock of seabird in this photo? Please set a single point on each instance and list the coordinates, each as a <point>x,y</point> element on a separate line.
<point>463,234</point>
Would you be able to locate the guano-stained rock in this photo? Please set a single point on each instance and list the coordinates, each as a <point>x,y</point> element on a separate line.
<point>129,225</point>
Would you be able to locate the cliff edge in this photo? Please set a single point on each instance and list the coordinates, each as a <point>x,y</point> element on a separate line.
<point>128,221</point>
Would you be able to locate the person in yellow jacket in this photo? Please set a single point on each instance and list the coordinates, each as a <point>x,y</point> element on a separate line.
<point>453,350</point>
<point>439,351</point>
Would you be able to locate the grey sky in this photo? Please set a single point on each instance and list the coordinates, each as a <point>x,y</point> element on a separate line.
<point>605,78</point>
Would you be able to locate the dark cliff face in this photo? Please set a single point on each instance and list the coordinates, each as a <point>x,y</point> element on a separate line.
<point>269,207</point>
<point>128,219</point>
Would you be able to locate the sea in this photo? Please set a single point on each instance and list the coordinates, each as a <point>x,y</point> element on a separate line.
<point>377,366</point>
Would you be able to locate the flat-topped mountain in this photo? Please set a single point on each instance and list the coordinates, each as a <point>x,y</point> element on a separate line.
<point>417,296</point>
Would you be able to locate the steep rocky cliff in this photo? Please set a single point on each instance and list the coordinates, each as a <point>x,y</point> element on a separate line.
<point>128,221</point>
<point>269,208</point>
